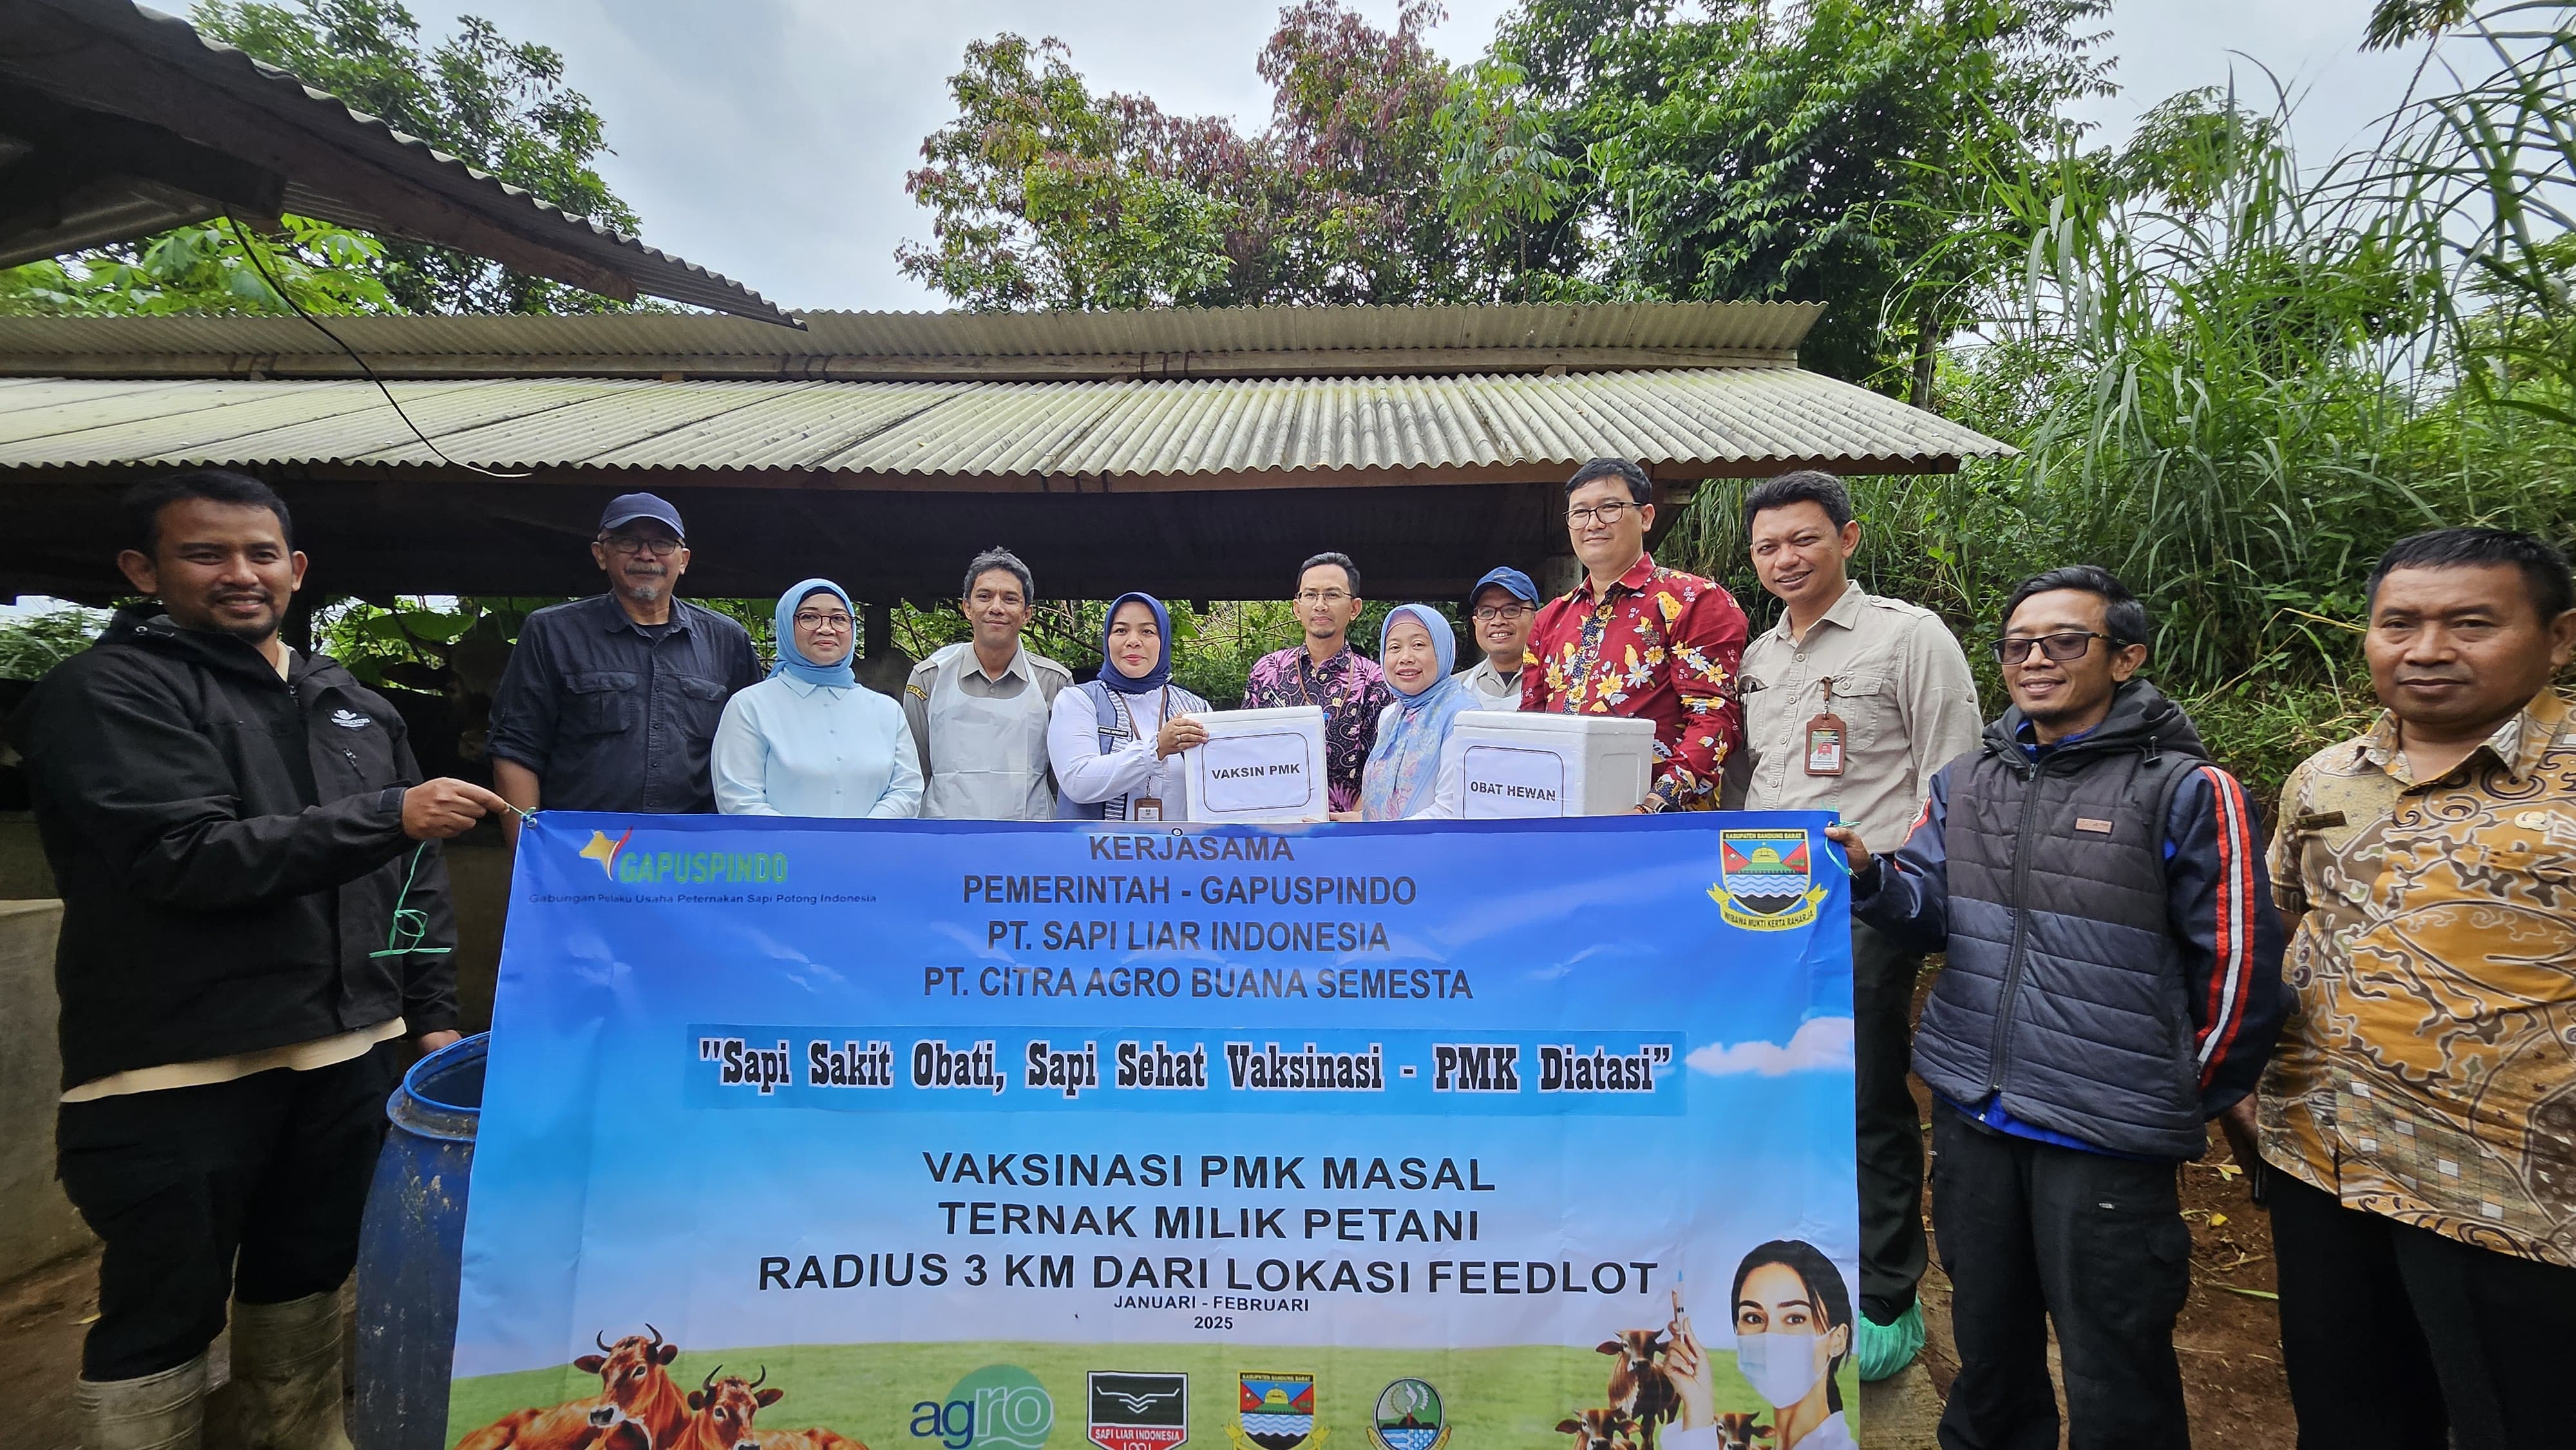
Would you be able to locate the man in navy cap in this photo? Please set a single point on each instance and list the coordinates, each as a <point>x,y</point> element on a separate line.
<point>610,704</point>
<point>1500,608</point>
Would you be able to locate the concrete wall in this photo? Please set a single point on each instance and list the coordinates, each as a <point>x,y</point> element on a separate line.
<point>37,1225</point>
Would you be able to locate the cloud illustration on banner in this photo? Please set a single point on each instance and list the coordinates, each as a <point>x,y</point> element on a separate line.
<point>1821,1044</point>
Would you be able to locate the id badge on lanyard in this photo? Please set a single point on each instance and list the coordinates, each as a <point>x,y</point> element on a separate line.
<point>1826,737</point>
<point>1149,807</point>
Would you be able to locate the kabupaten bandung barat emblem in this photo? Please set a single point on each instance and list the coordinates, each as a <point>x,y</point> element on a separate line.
<point>1408,1417</point>
<point>1766,885</point>
<point>1277,1412</point>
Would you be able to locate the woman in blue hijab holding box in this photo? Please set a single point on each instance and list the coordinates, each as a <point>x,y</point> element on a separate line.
<point>1115,741</point>
<point>1411,771</point>
<point>810,740</point>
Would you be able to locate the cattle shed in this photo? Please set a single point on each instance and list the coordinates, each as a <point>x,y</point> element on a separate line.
<point>1196,453</point>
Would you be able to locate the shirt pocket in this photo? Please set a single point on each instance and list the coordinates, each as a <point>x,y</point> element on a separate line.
<point>1866,701</point>
<point>601,702</point>
<point>701,704</point>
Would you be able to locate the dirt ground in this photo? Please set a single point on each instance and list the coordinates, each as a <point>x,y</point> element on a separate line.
<point>2230,1332</point>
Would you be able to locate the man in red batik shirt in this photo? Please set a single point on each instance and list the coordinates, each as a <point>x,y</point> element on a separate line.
<point>1640,640</point>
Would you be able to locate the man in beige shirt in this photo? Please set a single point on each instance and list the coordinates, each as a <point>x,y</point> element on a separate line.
<point>978,709</point>
<point>1851,702</point>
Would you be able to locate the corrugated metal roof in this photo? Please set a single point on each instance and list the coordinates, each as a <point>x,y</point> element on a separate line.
<point>101,54</point>
<point>1159,342</point>
<point>1275,431</point>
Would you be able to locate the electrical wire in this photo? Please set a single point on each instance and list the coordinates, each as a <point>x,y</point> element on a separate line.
<point>279,288</point>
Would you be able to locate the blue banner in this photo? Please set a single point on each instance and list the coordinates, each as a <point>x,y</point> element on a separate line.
<point>1017,1135</point>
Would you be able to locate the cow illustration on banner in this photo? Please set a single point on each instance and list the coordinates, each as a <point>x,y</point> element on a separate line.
<point>1001,1136</point>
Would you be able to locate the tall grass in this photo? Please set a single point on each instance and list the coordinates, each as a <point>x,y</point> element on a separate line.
<point>2235,379</point>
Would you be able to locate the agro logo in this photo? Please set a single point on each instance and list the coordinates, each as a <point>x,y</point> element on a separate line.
<point>1766,885</point>
<point>1001,1405</point>
<point>768,868</point>
<point>1409,1417</point>
<point>1139,1411</point>
<point>1277,1413</point>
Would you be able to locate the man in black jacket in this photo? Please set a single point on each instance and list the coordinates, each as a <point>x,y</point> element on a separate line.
<point>252,913</point>
<point>2114,981</point>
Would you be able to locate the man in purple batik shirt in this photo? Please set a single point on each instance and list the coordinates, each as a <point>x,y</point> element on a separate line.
<point>1326,671</point>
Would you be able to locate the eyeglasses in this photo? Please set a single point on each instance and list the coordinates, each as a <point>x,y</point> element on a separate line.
<point>2064,648</point>
<point>1608,513</point>
<point>1321,596</point>
<point>630,544</point>
<point>833,622</point>
<point>1487,614</point>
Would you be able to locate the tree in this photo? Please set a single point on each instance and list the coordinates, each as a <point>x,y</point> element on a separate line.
<point>1505,182</point>
<point>502,106</point>
<point>207,268</point>
<point>1049,197</point>
<point>1356,137</point>
<point>1044,195</point>
<point>1826,153</point>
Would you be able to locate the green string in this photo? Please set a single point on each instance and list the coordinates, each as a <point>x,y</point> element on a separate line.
<point>410,923</point>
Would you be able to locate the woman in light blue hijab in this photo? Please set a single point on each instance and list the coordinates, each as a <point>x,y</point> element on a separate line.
<point>1410,771</point>
<point>809,740</point>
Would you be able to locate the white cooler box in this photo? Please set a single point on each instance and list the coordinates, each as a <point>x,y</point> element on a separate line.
<point>1258,766</point>
<point>1519,765</point>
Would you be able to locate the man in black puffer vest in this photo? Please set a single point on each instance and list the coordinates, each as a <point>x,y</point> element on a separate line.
<point>252,913</point>
<point>2113,983</point>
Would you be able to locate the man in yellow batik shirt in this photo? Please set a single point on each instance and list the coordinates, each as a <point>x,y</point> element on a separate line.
<point>2418,1120</point>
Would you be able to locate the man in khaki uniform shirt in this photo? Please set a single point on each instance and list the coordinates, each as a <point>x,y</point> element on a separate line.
<point>1851,702</point>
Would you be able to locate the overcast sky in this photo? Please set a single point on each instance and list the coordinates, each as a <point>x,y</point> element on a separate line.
<point>768,139</point>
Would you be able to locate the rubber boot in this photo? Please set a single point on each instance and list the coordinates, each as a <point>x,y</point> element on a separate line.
<point>164,1411</point>
<point>286,1388</point>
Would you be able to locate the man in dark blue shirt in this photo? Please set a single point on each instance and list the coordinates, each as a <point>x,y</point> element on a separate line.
<point>610,704</point>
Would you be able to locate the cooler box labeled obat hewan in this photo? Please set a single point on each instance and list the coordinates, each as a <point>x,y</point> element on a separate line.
<point>1258,765</point>
<point>1518,765</point>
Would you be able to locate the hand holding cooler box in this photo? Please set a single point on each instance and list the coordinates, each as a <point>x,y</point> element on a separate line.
<point>1518,764</point>
<point>1258,766</point>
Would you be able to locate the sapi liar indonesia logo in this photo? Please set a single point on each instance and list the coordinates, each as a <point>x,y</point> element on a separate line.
<point>1139,1411</point>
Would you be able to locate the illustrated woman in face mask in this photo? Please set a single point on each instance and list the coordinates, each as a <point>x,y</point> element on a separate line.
<point>1793,1329</point>
<point>1792,1333</point>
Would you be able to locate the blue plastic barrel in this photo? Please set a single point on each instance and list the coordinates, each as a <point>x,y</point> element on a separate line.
<point>410,1249</point>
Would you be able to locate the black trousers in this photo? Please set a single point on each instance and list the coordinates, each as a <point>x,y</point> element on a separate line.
<point>252,1187</point>
<point>1889,1137</point>
<point>2398,1338</point>
<point>2033,1234</point>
